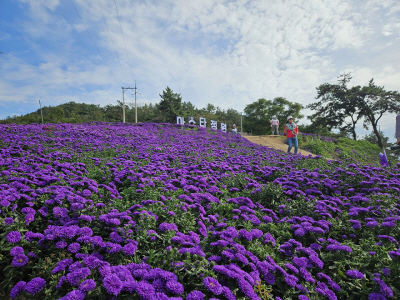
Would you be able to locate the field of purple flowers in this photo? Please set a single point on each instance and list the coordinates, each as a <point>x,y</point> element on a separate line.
<point>158,211</point>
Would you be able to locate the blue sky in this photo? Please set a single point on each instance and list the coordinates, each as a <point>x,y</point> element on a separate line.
<point>229,53</point>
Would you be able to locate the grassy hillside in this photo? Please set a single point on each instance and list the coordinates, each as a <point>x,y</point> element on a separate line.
<point>343,149</point>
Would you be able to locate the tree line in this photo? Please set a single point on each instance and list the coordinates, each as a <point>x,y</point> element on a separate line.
<point>338,106</point>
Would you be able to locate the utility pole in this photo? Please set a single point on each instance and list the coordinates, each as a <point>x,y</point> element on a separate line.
<point>135,105</point>
<point>123,101</point>
<point>41,113</point>
<point>241,125</point>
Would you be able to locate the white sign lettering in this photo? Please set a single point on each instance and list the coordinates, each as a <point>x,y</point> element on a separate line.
<point>214,125</point>
<point>191,121</point>
<point>180,120</point>
<point>223,127</point>
<point>202,122</point>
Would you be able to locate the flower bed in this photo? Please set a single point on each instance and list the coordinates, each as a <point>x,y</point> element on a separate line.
<point>157,211</point>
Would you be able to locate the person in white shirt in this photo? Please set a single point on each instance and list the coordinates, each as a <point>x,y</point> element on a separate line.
<point>274,125</point>
<point>234,129</point>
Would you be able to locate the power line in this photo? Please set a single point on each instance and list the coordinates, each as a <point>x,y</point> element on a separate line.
<point>124,39</point>
<point>94,42</point>
<point>109,34</point>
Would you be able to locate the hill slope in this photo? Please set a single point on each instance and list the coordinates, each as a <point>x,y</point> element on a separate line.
<point>96,211</point>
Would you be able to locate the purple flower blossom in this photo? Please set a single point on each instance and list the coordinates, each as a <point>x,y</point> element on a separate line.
<point>129,249</point>
<point>87,285</point>
<point>74,247</point>
<point>76,295</point>
<point>112,284</point>
<point>144,289</point>
<point>20,260</point>
<point>355,274</point>
<point>212,285</point>
<point>386,271</point>
<point>16,251</point>
<point>8,221</point>
<point>14,237</point>
<point>35,285</point>
<point>17,289</point>
<point>376,296</point>
<point>195,295</point>
<point>174,287</point>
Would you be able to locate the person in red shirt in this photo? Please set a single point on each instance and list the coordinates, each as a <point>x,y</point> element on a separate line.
<point>291,132</point>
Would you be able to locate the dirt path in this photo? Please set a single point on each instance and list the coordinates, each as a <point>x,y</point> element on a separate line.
<point>273,141</point>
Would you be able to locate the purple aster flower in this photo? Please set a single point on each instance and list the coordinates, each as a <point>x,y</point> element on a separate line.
<point>269,278</point>
<point>376,296</point>
<point>246,288</point>
<point>29,218</point>
<point>16,251</point>
<point>17,289</point>
<point>195,295</point>
<point>20,260</point>
<point>174,287</point>
<point>383,287</point>
<point>160,296</point>
<point>61,244</point>
<point>292,268</point>
<point>316,261</point>
<point>291,280</point>
<point>9,221</point>
<point>76,276</point>
<point>86,193</point>
<point>306,275</point>
<point>212,285</point>
<point>112,284</point>
<point>243,233</point>
<point>372,224</point>
<point>389,224</point>
<point>386,272</point>
<point>74,247</point>
<point>87,285</point>
<point>302,297</point>
<point>76,295</point>
<point>129,249</point>
<point>300,262</point>
<point>145,289</point>
<point>355,274</point>
<point>315,246</point>
<point>242,259</point>
<point>5,203</point>
<point>35,285</point>
<point>228,293</point>
<point>355,224</point>
<point>60,282</point>
<point>300,231</point>
<point>215,258</point>
<point>14,237</point>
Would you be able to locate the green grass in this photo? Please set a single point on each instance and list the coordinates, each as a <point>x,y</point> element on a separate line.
<point>345,149</point>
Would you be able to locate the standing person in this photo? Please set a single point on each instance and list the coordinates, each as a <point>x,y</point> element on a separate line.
<point>291,132</point>
<point>274,125</point>
<point>234,129</point>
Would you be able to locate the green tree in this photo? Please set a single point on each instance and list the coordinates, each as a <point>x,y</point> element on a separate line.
<point>371,137</point>
<point>170,105</point>
<point>187,110</point>
<point>374,101</point>
<point>337,107</point>
<point>259,113</point>
<point>342,107</point>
